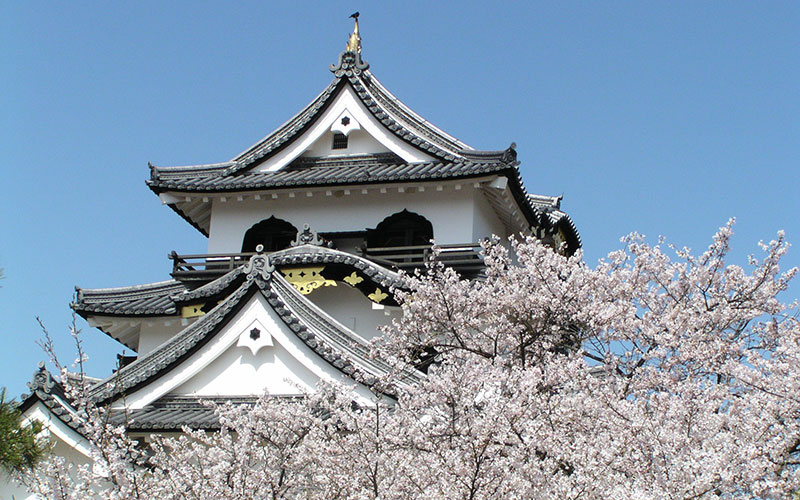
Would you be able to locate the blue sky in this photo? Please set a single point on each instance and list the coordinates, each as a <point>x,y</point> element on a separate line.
<point>665,118</point>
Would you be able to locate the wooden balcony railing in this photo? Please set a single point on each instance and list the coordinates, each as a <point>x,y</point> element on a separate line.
<point>462,257</point>
<point>205,267</point>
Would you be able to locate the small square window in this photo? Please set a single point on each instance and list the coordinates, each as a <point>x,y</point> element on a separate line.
<point>339,141</point>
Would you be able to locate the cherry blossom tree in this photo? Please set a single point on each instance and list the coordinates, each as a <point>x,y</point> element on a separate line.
<point>659,374</point>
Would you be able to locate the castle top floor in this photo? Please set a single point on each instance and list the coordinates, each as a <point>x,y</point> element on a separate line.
<point>363,169</point>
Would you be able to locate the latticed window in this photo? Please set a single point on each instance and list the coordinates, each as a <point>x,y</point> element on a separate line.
<point>339,141</point>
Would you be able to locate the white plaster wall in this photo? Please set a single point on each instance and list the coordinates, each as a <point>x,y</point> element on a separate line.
<point>358,142</point>
<point>450,211</point>
<point>61,449</point>
<point>65,443</point>
<point>238,372</point>
<point>352,309</point>
<point>10,490</point>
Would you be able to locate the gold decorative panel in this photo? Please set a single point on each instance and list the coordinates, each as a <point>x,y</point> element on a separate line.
<point>377,296</point>
<point>354,279</point>
<point>307,279</point>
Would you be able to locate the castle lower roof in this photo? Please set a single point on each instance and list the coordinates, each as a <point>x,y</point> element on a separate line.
<point>165,297</point>
<point>333,342</point>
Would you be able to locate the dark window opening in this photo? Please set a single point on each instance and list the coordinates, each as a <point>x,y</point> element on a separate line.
<point>400,230</point>
<point>339,141</point>
<point>274,234</point>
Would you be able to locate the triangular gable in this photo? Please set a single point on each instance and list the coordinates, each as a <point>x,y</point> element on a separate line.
<point>365,132</point>
<point>255,352</point>
<point>322,347</point>
<point>354,93</point>
<point>61,434</point>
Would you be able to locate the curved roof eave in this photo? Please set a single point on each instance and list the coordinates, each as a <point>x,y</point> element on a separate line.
<point>151,299</point>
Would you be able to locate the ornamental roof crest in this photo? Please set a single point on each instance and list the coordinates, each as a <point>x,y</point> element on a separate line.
<point>309,237</point>
<point>259,266</point>
<point>42,380</point>
<point>350,62</point>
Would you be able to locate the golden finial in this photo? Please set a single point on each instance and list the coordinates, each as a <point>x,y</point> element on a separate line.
<point>354,42</point>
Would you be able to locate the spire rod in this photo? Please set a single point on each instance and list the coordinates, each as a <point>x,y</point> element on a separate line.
<point>350,62</point>
<point>354,41</point>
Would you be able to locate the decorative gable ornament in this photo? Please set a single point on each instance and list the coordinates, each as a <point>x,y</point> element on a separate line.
<point>345,124</point>
<point>349,64</point>
<point>309,237</point>
<point>307,279</point>
<point>42,380</point>
<point>259,266</point>
<point>254,337</point>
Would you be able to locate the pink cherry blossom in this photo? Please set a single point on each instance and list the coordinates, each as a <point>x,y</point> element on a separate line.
<point>659,374</point>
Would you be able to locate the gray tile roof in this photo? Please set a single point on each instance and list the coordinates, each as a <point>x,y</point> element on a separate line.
<point>345,174</point>
<point>283,134</point>
<point>398,119</point>
<point>171,413</point>
<point>167,414</point>
<point>549,207</point>
<point>386,108</point>
<point>140,300</point>
<point>312,254</point>
<point>211,289</point>
<point>545,202</point>
<point>330,340</point>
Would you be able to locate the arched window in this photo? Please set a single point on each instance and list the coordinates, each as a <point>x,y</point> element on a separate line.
<point>273,233</point>
<point>400,230</point>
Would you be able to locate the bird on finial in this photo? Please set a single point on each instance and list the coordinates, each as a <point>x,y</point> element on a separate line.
<point>354,42</point>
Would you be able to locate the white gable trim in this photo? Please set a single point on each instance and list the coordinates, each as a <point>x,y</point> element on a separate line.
<point>256,309</point>
<point>58,429</point>
<point>346,102</point>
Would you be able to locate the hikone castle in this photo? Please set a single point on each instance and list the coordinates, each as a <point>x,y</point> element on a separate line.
<point>308,230</point>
